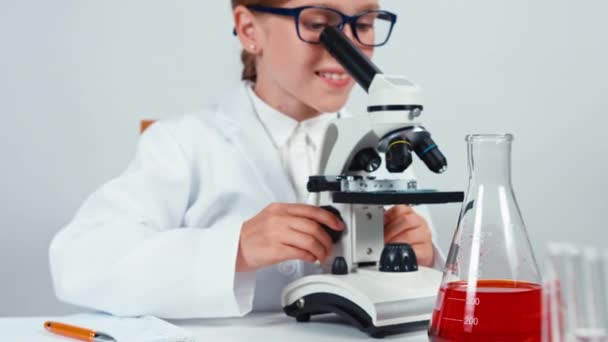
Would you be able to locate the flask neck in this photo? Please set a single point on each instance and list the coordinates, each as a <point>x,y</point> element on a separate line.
<point>490,159</point>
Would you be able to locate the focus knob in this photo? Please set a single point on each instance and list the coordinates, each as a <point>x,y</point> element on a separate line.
<point>398,257</point>
<point>334,234</point>
<point>339,266</point>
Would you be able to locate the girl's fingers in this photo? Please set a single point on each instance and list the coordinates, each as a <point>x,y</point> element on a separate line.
<point>306,242</point>
<point>316,214</point>
<point>396,212</point>
<point>425,255</point>
<point>312,228</point>
<point>403,225</point>
<point>412,236</point>
<point>292,253</point>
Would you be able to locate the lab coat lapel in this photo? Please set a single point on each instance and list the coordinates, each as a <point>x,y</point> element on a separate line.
<point>241,124</point>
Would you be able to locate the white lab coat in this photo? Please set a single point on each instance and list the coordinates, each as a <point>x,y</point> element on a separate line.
<point>162,238</point>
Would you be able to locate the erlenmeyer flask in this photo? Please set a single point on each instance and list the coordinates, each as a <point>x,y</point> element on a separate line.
<point>491,288</point>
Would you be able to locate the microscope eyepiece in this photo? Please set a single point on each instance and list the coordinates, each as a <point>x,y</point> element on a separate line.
<point>398,155</point>
<point>361,68</point>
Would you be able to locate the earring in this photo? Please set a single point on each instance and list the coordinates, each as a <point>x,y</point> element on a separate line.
<point>252,47</point>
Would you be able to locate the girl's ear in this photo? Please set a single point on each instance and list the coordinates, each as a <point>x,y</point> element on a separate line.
<point>245,26</point>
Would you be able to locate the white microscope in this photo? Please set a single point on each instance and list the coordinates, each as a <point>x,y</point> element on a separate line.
<point>379,289</point>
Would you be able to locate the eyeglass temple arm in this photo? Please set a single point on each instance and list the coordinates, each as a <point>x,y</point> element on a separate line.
<point>349,56</point>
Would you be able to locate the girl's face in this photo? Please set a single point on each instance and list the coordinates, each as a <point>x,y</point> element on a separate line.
<point>298,78</point>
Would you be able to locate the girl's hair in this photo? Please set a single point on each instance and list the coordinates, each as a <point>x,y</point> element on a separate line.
<point>249,70</point>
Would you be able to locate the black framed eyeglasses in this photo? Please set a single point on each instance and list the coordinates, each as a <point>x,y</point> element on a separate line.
<point>371,28</point>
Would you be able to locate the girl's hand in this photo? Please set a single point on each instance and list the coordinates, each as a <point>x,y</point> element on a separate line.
<point>285,232</point>
<point>403,225</point>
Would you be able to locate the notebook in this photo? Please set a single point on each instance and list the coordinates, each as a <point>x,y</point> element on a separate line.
<point>140,329</point>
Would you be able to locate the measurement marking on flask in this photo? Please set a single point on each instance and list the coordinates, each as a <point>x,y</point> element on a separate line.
<point>458,299</point>
<point>472,301</point>
<point>471,321</point>
<point>453,319</point>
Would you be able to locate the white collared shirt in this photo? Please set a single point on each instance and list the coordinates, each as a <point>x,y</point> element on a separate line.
<point>298,143</point>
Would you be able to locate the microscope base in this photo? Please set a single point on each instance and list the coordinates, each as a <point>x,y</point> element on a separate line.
<point>377,303</point>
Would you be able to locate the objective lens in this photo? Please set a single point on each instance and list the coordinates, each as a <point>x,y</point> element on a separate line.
<point>398,155</point>
<point>366,160</point>
<point>429,153</point>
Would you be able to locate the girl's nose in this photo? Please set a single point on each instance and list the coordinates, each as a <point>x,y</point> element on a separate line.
<point>348,31</point>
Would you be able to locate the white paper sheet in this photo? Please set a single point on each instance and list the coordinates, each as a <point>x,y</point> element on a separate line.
<point>142,329</point>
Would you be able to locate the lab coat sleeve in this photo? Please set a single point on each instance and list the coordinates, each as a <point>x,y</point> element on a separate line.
<point>126,252</point>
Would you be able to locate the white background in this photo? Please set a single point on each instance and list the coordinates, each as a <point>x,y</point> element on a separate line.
<point>77,76</point>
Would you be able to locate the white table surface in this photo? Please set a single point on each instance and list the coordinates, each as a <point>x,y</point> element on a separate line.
<point>279,327</point>
<point>264,327</point>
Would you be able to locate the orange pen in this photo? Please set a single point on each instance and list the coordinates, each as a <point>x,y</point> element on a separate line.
<point>77,332</point>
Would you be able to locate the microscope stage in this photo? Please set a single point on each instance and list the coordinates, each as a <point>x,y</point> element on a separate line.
<point>398,197</point>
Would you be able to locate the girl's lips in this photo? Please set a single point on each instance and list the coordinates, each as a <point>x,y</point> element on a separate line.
<point>334,78</point>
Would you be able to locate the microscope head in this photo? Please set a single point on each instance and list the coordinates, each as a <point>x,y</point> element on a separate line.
<point>394,103</point>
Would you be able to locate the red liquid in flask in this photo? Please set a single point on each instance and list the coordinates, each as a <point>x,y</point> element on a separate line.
<point>497,310</point>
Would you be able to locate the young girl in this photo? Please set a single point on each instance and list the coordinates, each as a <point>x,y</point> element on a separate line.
<point>210,219</point>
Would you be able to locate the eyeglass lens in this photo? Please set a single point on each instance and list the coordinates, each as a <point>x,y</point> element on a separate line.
<point>372,29</point>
